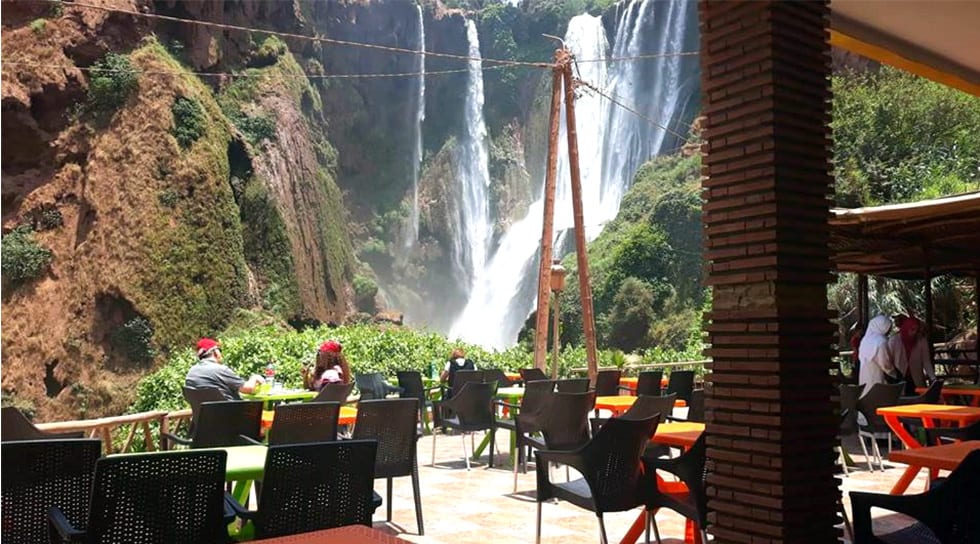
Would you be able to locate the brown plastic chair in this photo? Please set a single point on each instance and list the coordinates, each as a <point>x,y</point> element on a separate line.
<point>301,423</point>
<point>335,392</point>
<point>472,410</point>
<point>532,374</point>
<point>224,423</point>
<point>14,425</point>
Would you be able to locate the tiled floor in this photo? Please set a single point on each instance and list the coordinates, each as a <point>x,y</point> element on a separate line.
<point>479,505</point>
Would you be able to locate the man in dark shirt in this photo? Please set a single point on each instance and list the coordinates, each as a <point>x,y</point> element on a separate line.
<point>210,372</point>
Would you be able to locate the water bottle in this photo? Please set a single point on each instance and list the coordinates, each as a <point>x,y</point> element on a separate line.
<point>270,374</point>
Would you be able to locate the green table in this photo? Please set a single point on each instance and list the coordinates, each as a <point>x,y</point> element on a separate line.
<point>271,398</point>
<point>512,395</point>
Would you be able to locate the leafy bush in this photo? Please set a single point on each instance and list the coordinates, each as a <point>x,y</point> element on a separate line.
<point>635,307</point>
<point>47,216</point>
<point>168,198</point>
<point>255,127</point>
<point>111,81</point>
<point>37,26</point>
<point>23,258</point>
<point>189,121</point>
<point>268,53</point>
<point>134,339</point>
<point>365,291</point>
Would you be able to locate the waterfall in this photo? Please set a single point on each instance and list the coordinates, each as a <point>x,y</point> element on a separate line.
<point>412,235</point>
<point>613,143</point>
<point>472,212</point>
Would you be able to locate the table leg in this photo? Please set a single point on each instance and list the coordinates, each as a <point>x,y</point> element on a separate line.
<point>483,445</point>
<point>903,483</point>
<point>241,490</point>
<point>896,426</point>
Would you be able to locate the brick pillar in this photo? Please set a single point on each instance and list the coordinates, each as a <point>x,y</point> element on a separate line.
<point>771,428</point>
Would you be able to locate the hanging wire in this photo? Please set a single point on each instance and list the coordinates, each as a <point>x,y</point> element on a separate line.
<point>645,57</point>
<point>615,100</point>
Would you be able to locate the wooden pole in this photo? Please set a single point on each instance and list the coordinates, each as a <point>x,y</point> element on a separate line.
<point>863,303</point>
<point>929,318</point>
<point>976,306</point>
<point>547,227</point>
<point>585,290</point>
<point>555,332</point>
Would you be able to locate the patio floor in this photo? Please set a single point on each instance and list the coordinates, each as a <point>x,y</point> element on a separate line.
<point>480,506</point>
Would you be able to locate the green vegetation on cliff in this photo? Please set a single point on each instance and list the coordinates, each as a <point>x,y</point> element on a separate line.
<point>23,258</point>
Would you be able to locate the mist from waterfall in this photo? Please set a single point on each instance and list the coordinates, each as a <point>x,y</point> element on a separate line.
<point>471,212</point>
<point>613,144</point>
<point>412,235</point>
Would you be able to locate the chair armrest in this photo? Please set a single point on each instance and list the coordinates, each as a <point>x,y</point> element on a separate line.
<point>596,423</point>
<point>572,459</point>
<point>237,509</point>
<point>675,418</point>
<point>861,503</point>
<point>664,464</point>
<point>510,405</point>
<point>249,441</point>
<point>177,439</point>
<point>626,388</point>
<point>64,529</point>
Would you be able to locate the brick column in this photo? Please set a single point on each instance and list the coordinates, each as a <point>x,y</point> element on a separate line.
<point>771,428</point>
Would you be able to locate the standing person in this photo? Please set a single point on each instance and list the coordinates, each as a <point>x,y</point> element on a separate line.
<point>331,367</point>
<point>873,354</point>
<point>909,353</point>
<point>209,371</point>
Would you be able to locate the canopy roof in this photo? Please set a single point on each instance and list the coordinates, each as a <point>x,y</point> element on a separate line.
<point>940,236</point>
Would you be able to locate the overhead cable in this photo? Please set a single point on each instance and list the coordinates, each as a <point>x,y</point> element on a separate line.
<point>644,57</point>
<point>615,100</point>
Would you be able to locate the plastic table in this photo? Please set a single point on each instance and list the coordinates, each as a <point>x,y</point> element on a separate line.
<point>958,390</point>
<point>618,404</point>
<point>632,381</point>
<point>945,457</point>
<point>272,398</point>
<point>351,534</point>
<point>348,416</point>
<point>929,414</point>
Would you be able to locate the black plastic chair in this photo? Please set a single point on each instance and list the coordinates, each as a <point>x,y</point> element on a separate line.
<point>460,378</point>
<point>681,382</point>
<point>392,423</point>
<point>372,385</point>
<point>472,410</point>
<point>412,387</point>
<point>929,396</point>
<point>335,392</point>
<point>689,468</point>
<point>607,383</point>
<point>878,396</point>
<point>496,375</point>
<point>536,395</point>
<point>532,374</point>
<point>572,385</point>
<point>173,497</point>
<point>195,397</point>
<point>647,383</point>
<point>849,395</point>
<point>944,435</point>
<point>14,425</point>
<point>224,423</point>
<point>947,513</point>
<point>613,479</point>
<point>309,487</point>
<point>695,406</point>
<point>563,423</point>
<point>42,474</point>
<point>301,423</point>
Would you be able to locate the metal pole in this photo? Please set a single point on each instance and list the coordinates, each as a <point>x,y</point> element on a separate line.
<point>547,228</point>
<point>585,290</point>
<point>863,303</point>
<point>555,333</point>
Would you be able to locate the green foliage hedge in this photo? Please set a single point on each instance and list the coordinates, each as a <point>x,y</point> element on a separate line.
<point>23,257</point>
<point>189,121</point>
<point>134,339</point>
<point>111,81</point>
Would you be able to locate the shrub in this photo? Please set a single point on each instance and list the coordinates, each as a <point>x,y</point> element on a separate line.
<point>189,121</point>
<point>256,128</point>
<point>44,217</point>
<point>365,290</point>
<point>37,26</point>
<point>111,81</point>
<point>268,53</point>
<point>168,198</point>
<point>134,339</point>
<point>23,258</point>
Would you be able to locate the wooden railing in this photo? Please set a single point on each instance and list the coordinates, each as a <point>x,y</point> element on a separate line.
<point>649,366</point>
<point>105,428</point>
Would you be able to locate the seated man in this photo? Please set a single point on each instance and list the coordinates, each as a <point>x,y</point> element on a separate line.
<point>209,372</point>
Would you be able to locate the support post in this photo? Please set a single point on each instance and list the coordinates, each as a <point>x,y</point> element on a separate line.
<point>863,302</point>
<point>976,306</point>
<point>581,252</point>
<point>929,317</point>
<point>547,228</point>
<point>555,335</point>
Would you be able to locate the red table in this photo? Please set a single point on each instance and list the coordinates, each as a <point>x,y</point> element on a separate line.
<point>929,414</point>
<point>617,404</point>
<point>945,457</point>
<point>352,534</point>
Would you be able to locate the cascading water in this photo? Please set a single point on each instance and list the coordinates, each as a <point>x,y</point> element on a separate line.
<point>613,143</point>
<point>412,235</point>
<point>472,214</point>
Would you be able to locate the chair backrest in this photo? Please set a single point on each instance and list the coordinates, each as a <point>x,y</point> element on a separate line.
<point>532,374</point>
<point>462,377</point>
<point>607,383</point>
<point>879,395</point>
<point>648,382</point>
<point>969,432</point>
<point>411,383</point>
<point>392,423</point>
<point>161,497</point>
<point>308,487</point>
<point>695,406</point>
<point>334,392</point>
<point>195,397</point>
<point>950,508</point>
<point>535,399</point>
<point>651,405</point>
<point>849,395</point>
<point>371,385</point>
<point>572,385</point>
<point>929,396</point>
<point>221,423</point>
<point>496,375</point>
<point>14,425</point>
<point>612,463</point>
<point>39,475</point>
<point>300,423</point>
<point>473,405</point>
<point>682,383</point>
<point>689,467</point>
<point>566,426</point>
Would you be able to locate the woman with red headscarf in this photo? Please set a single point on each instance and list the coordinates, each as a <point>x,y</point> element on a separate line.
<point>331,367</point>
<point>910,354</point>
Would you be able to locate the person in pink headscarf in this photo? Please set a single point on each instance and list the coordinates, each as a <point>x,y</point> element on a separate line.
<point>909,352</point>
<point>331,367</point>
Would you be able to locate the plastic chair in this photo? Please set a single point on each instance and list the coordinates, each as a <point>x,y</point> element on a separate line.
<point>412,387</point>
<point>335,392</point>
<point>929,396</point>
<point>681,382</point>
<point>878,396</point>
<point>944,435</point>
<point>372,385</point>
<point>610,464</point>
<point>224,423</point>
<point>303,423</point>
<point>695,406</point>
<point>572,385</point>
<point>647,383</point>
<point>532,374</point>
<point>563,423</point>
<point>14,425</point>
<point>536,395</point>
<point>473,411</point>
<point>689,468</point>
<point>173,497</point>
<point>460,378</point>
<point>607,383</point>
<point>849,395</point>
<point>392,423</point>
<point>496,375</point>
<point>309,487</point>
<point>947,513</point>
<point>42,474</point>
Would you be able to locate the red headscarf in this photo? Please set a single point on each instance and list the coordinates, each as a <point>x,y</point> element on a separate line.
<point>909,331</point>
<point>332,346</point>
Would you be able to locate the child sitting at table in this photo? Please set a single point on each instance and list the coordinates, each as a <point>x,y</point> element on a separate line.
<point>331,367</point>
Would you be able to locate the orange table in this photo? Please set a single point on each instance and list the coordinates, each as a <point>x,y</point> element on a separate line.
<point>945,457</point>
<point>352,534</point>
<point>632,381</point>
<point>929,414</point>
<point>513,376</point>
<point>957,390</point>
<point>348,416</point>
<point>617,404</point>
